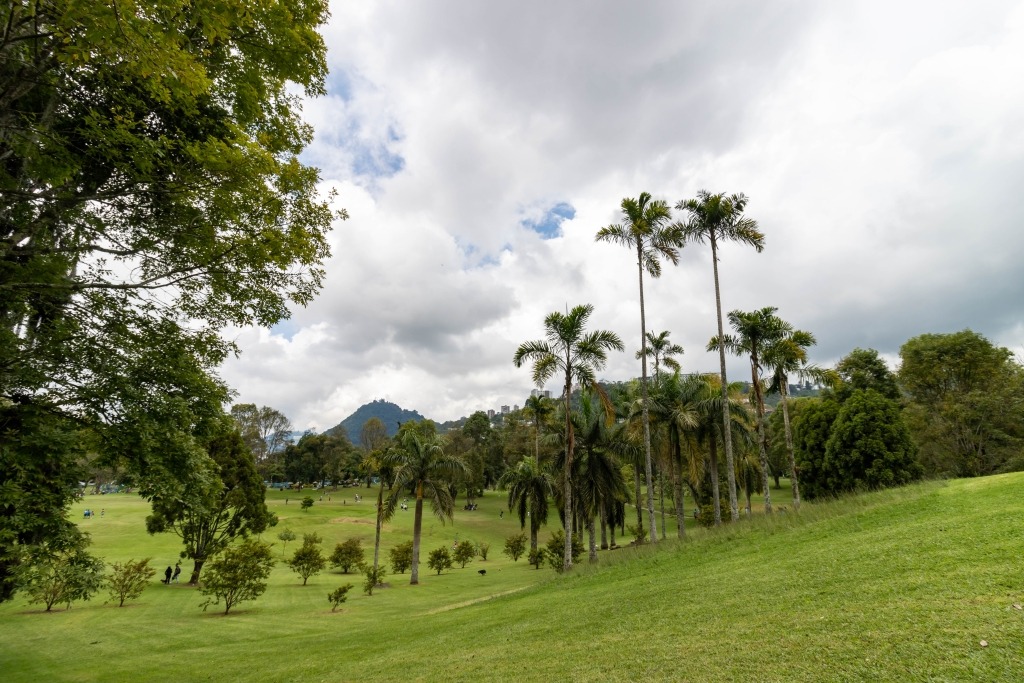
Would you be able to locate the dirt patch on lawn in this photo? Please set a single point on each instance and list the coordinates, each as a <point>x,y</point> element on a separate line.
<point>467,603</point>
<point>356,520</point>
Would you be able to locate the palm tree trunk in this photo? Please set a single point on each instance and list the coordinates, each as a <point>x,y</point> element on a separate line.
<point>591,533</point>
<point>761,437</point>
<point>639,496</point>
<point>713,452</point>
<point>677,487</point>
<point>611,534</point>
<point>661,492</point>
<point>643,394</point>
<point>376,539</point>
<point>567,473</point>
<point>417,527</point>
<point>794,479</point>
<point>726,417</point>
<point>604,526</point>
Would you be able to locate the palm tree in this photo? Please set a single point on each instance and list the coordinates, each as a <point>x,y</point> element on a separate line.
<point>717,217</point>
<point>645,229</point>
<point>662,350</point>
<point>755,331</point>
<point>539,407</point>
<point>569,349</point>
<point>528,489</point>
<point>675,408</point>
<point>422,464</point>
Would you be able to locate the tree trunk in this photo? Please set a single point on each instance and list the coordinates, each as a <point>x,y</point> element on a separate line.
<point>794,479</point>
<point>677,488</point>
<point>196,569</point>
<point>713,451</point>
<point>761,438</point>
<point>592,539</point>
<point>726,417</point>
<point>661,493</point>
<point>417,527</point>
<point>604,526</point>
<point>567,472</point>
<point>643,392</point>
<point>376,539</point>
<point>639,496</point>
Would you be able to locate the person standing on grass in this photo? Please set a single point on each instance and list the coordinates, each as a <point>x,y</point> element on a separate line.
<point>167,575</point>
<point>177,571</point>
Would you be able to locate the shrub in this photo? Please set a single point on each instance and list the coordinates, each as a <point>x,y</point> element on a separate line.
<point>128,580</point>
<point>63,576</point>
<point>638,533</point>
<point>440,559</point>
<point>536,557</point>
<point>348,555</point>
<point>307,503</point>
<point>308,560</point>
<point>285,536</point>
<point>374,578</point>
<point>339,596</point>
<point>483,549</point>
<point>465,551</point>
<point>401,557</point>
<point>515,546</point>
<point>238,575</point>
<point>555,552</point>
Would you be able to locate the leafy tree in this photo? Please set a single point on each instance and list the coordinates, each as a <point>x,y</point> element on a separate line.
<point>515,546</point>
<point>554,547</point>
<point>285,536</point>
<point>423,465</point>
<point>127,580</point>
<point>61,571</point>
<point>321,458</point>
<point>537,556</point>
<point>216,504</point>
<point>715,218</point>
<point>338,596</point>
<point>578,354</point>
<point>151,193</point>
<point>401,557</point>
<point>812,427</point>
<point>307,503</point>
<point>865,369</point>
<point>308,560</point>
<point>966,403</point>
<point>483,548</point>
<point>464,553</point>
<point>374,435</point>
<point>646,228</point>
<point>348,555</point>
<point>529,487</point>
<point>440,559</point>
<point>265,431</point>
<point>238,574</point>
<point>374,578</point>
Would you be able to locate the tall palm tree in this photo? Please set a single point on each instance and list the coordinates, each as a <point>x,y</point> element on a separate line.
<point>755,331</point>
<point>675,409</point>
<point>539,407</point>
<point>422,464</point>
<point>646,229</point>
<point>569,349</point>
<point>662,350</point>
<point>715,218</point>
<point>528,489</point>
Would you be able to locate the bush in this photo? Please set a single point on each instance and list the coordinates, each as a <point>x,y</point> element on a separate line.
<point>537,557</point>
<point>483,549</point>
<point>401,557</point>
<point>339,596</point>
<point>285,536</point>
<point>440,559</point>
<point>348,555</point>
<point>555,551</point>
<point>238,575</point>
<point>63,576</point>
<point>374,578</point>
<point>307,503</point>
<point>308,560</point>
<point>515,546</point>
<point>128,580</point>
<point>638,533</point>
<point>465,551</point>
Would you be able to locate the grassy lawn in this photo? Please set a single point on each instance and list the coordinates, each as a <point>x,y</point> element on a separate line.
<point>897,586</point>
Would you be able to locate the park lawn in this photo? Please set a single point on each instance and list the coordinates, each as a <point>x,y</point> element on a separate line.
<point>897,585</point>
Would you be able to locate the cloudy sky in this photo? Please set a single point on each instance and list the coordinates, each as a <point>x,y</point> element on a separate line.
<point>478,147</point>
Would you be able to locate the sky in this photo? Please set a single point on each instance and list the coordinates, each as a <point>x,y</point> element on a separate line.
<point>478,148</point>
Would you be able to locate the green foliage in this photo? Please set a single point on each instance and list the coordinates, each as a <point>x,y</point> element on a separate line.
<point>440,559</point>
<point>62,572</point>
<point>515,546</point>
<point>537,556</point>
<point>238,575</point>
<point>401,557</point>
<point>285,536</point>
<point>465,551</point>
<point>483,548</point>
<point>374,578</point>
<point>127,580</point>
<point>321,458</point>
<point>555,550</point>
<point>864,369</point>
<point>339,596</point>
<point>348,555</point>
<point>307,503</point>
<point>308,560</point>
<point>706,516</point>
<point>638,533</point>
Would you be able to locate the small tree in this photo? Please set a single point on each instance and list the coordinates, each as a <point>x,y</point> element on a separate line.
<point>483,549</point>
<point>440,559</point>
<point>128,580</point>
<point>286,536</point>
<point>348,555</point>
<point>536,557</point>
<point>308,560</point>
<point>465,551</point>
<point>339,596</point>
<point>401,557</point>
<point>374,578</point>
<point>554,548</point>
<point>63,576</point>
<point>239,574</point>
<point>307,503</point>
<point>515,546</point>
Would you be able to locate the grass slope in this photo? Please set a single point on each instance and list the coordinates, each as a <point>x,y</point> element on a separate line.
<point>891,586</point>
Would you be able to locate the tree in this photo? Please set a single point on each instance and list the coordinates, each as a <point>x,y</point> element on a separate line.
<point>127,580</point>
<point>554,547</point>
<point>285,536</point>
<point>646,229</point>
<point>538,406</point>
<point>464,553</point>
<point>401,557</point>
<point>308,560</point>
<point>865,369</point>
<point>515,546</point>
<point>348,555</point>
<point>319,458</point>
<point>374,577</point>
<point>60,571</point>
<point>306,503</point>
<point>265,431</point>
<point>216,504</point>
<point>374,435</point>
<point>966,403</point>
<point>662,351</point>
<point>440,559</point>
<point>715,218</point>
<point>151,193</point>
<point>338,596</point>
<point>529,487</point>
<point>422,464</point>
<point>483,548</point>
<point>578,354</point>
<point>237,575</point>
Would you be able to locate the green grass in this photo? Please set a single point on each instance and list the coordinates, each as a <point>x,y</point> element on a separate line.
<point>891,586</point>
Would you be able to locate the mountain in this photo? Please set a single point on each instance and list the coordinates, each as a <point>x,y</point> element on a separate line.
<point>388,413</point>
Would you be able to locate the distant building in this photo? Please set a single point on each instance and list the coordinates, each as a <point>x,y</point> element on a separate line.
<point>541,392</point>
<point>504,410</point>
<point>516,408</point>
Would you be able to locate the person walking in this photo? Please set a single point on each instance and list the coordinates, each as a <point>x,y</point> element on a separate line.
<point>177,571</point>
<point>167,575</point>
